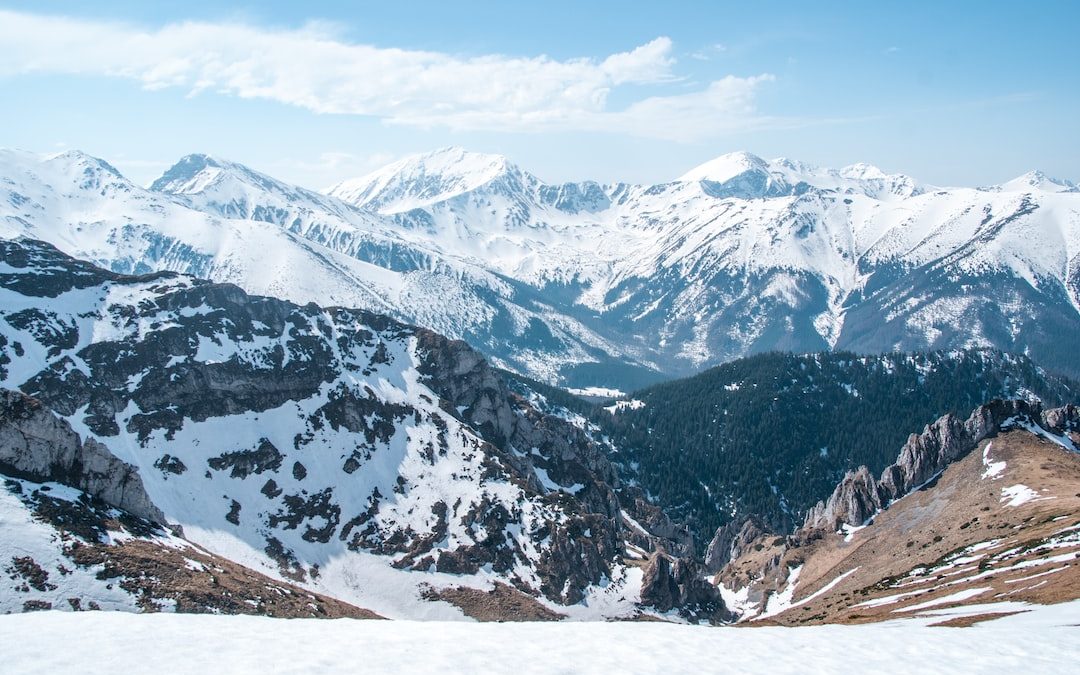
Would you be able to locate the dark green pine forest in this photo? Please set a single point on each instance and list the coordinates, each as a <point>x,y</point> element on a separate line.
<point>770,435</point>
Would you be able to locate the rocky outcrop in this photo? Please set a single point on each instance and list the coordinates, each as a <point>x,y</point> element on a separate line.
<point>37,445</point>
<point>859,496</point>
<point>530,440</point>
<point>679,583</point>
<point>730,541</point>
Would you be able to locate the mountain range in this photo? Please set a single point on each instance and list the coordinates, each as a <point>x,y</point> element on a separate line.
<point>174,444</point>
<point>586,284</point>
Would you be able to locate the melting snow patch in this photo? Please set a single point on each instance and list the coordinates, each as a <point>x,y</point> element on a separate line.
<point>993,469</point>
<point>1063,441</point>
<point>597,392</point>
<point>552,486</point>
<point>1018,494</point>
<point>849,530</point>
<point>958,596</point>
<point>738,601</point>
<point>781,601</point>
<point>625,405</point>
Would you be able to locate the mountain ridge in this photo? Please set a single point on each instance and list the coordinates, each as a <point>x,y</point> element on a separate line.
<point>584,284</point>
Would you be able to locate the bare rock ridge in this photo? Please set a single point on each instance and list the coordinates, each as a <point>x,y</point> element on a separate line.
<point>680,583</point>
<point>859,496</point>
<point>730,541</point>
<point>37,445</point>
<point>883,546</point>
<point>470,388</point>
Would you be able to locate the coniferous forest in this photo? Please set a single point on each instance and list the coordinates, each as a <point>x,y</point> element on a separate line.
<point>770,435</point>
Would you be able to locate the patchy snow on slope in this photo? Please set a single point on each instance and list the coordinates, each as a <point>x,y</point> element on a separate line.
<point>1018,494</point>
<point>993,469</point>
<point>32,555</point>
<point>619,406</point>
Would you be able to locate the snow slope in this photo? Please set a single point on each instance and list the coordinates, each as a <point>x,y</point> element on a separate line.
<point>1041,639</point>
<point>337,449</point>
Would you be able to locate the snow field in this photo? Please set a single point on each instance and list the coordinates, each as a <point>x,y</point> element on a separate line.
<point>1041,640</point>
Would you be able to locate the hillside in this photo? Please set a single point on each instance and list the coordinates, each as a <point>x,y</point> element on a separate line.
<point>770,435</point>
<point>983,516</point>
<point>376,463</point>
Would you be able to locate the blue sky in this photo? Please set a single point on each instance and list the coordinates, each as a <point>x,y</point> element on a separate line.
<point>958,93</point>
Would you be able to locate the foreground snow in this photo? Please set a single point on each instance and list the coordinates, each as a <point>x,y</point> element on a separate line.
<point>1042,640</point>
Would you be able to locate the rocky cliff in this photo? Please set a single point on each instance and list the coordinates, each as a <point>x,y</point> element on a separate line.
<point>37,445</point>
<point>859,495</point>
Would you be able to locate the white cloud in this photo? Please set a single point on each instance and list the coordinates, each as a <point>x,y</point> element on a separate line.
<point>709,52</point>
<point>313,68</point>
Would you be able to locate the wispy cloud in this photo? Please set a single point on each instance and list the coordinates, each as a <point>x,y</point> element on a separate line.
<point>709,52</point>
<point>314,68</point>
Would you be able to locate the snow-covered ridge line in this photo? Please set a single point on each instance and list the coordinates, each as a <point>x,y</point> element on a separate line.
<point>592,285</point>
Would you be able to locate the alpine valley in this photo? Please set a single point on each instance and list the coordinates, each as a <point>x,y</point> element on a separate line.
<point>403,398</point>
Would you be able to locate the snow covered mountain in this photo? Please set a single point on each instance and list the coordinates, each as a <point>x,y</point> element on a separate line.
<point>585,284</point>
<point>359,458</point>
<point>743,255</point>
<point>219,220</point>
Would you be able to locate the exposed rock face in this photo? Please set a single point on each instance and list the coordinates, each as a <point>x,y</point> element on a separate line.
<point>37,445</point>
<point>1062,420</point>
<point>679,583</point>
<point>309,433</point>
<point>529,440</point>
<point>730,541</point>
<point>77,553</point>
<point>859,496</point>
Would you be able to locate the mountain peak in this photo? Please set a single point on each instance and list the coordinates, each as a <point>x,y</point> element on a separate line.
<point>450,161</point>
<point>197,172</point>
<point>423,179</point>
<point>1037,180</point>
<point>78,158</point>
<point>190,174</point>
<point>726,167</point>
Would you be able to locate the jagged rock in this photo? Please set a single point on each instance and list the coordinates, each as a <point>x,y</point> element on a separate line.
<point>1062,420</point>
<point>527,440</point>
<point>854,501</point>
<point>924,455</point>
<point>660,529</point>
<point>730,541</point>
<point>38,445</point>
<point>680,584</point>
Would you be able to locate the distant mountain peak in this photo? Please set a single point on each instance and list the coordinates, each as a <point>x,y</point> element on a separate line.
<point>426,178</point>
<point>78,158</point>
<point>726,167</point>
<point>863,171</point>
<point>1036,180</point>
<point>193,173</point>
